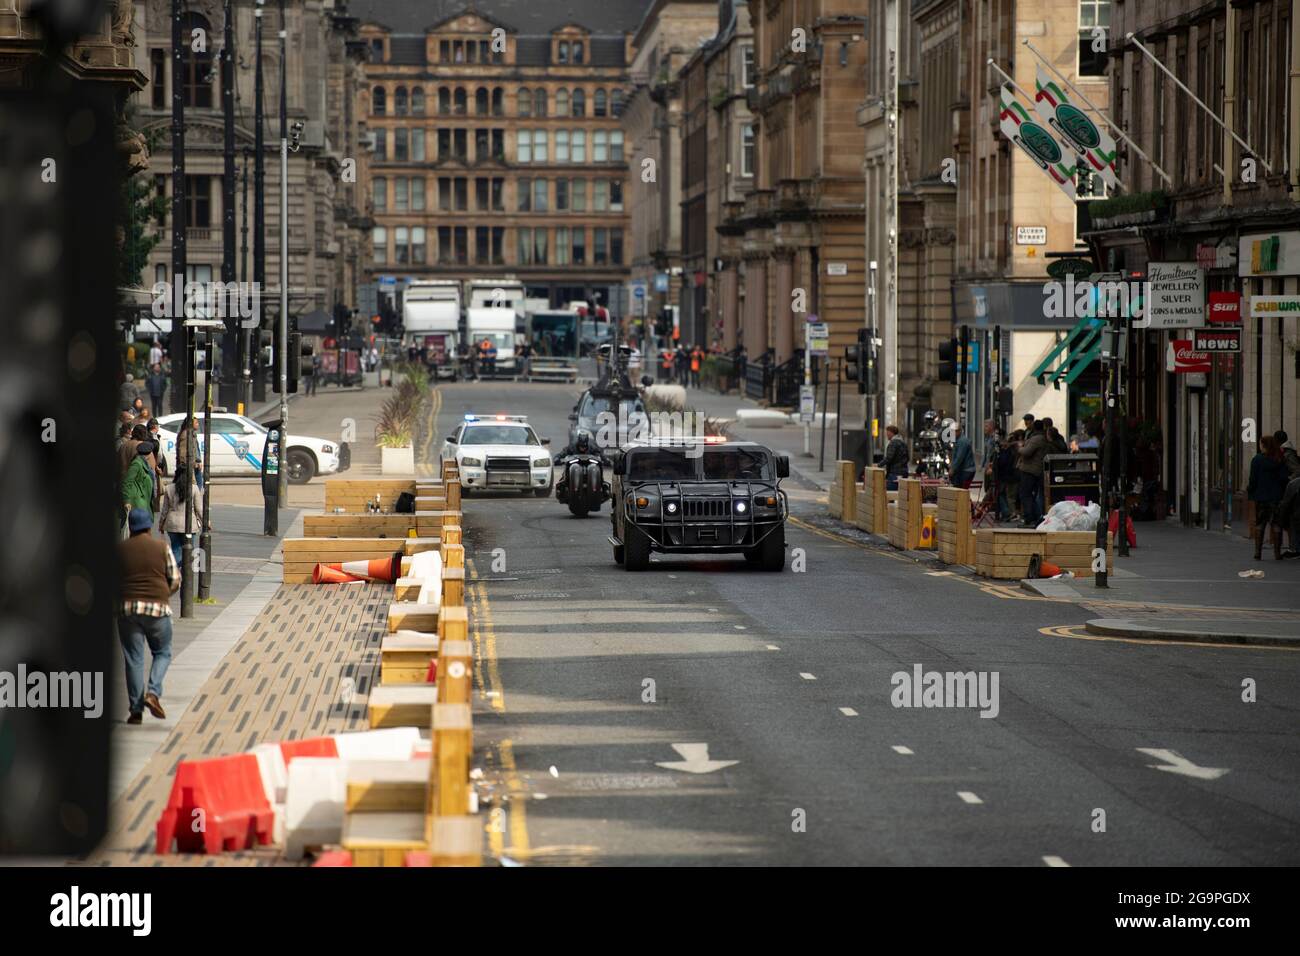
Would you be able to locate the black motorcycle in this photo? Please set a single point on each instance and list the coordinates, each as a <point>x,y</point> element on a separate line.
<point>582,484</point>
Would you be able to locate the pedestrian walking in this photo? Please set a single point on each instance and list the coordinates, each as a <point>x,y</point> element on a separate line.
<point>150,576</point>
<point>127,392</point>
<point>171,516</point>
<point>1289,454</point>
<point>697,359</point>
<point>895,460</point>
<point>1287,516</point>
<point>155,354</point>
<point>961,471</point>
<point>187,449</point>
<point>742,366</point>
<point>156,383</point>
<point>138,482</point>
<point>1267,484</point>
<point>1032,453</point>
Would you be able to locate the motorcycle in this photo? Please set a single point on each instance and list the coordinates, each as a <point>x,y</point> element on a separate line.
<point>582,484</point>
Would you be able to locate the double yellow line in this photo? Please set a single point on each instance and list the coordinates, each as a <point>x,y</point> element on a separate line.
<point>424,467</point>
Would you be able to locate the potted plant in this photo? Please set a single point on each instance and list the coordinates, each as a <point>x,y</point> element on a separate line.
<point>396,428</point>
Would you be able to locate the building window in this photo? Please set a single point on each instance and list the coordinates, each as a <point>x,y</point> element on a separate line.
<point>481,194</point>
<point>160,192</point>
<point>539,195</point>
<point>401,147</point>
<point>481,101</point>
<point>458,51</point>
<point>481,149</point>
<point>539,102</point>
<point>417,245</point>
<point>498,194</point>
<point>379,240</point>
<point>482,245</point>
<point>600,247</point>
<point>499,145</point>
<point>579,246</point>
<point>378,101</point>
<point>461,185</point>
<point>600,146</point>
<point>381,145</point>
<point>444,101</point>
<point>599,102</point>
<point>401,194</point>
<point>616,195</point>
<point>747,150</point>
<point>399,101</point>
<point>196,68</point>
<point>600,195</point>
<point>524,147</point>
<point>577,52</point>
<point>579,103</point>
<point>417,101</point>
<point>525,243</point>
<point>561,145</point>
<point>562,246</point>
<point>401,245</point>
<point>444,144</point>
<point>498,245</point>
<point>380,185</point>
<point>377,50</point>
<point>579,197</point>
<point>579,151</point>
<point>525,194</point>
<point>539,247</point>
<point>459,142</point>
<point>158,78</point>
<point>461,235</point>
<point>539,145</point>
<point>444,194</point>
<point>561,195</point>
<point>198,202</point>
<point>747,67</point>
<point>524,102</point>
<point>444,245</point>
<point>444,51</point>
<point>616,146</point>
<point>417,145</point>
<point>1092,14</point>
<point>498,101</point>
<point>459,101</point>
<point>616,246</point>
<point>471,51</point>
<point>562,52</point>
<point>417,194</point>
<point>561,102</point>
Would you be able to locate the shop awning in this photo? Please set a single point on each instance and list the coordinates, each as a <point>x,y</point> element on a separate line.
<point>1072,354</point>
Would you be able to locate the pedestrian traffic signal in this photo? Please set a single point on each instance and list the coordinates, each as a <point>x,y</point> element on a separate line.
<point>948,361</point>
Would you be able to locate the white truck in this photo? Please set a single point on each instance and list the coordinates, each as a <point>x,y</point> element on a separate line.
<point>431,319</point>
<point>497,326</point>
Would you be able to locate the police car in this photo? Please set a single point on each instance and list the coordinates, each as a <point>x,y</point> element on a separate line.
<point>499,452</point>
<point>238,441</point>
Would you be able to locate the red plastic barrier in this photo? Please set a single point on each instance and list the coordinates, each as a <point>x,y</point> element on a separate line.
<point>431,675</point>
<point>310,747</point>
<point>1128,527</point>
<point>215,805</point>
<point>334,858</point>
<point>417,858</point>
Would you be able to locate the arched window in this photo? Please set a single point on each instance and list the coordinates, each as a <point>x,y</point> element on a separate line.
<point>399,101</point>
<point>417,101</point>
<point>481,101</point>
<point>579,103</point>
<point>378,101</point>
<point>561,102</point>
<point>498,101</point>
<point>196,68</point>
<point>459,101</point>
<point>444,101</point>
<point>539,102</point>
<point>525,106</point>
<point>599,101</point>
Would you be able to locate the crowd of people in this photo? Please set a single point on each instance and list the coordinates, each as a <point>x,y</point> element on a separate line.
<point>1274,487</point>
<point>682,365</point>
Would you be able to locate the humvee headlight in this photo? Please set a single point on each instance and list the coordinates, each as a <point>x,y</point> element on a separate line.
<point>671,507</point>
<point>769,500</point>
<point>740,507</point>
<point>642,502</point>
<point>542,463</point>
<point>469,462</point>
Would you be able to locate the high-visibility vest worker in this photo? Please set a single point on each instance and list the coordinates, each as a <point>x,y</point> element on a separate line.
<point>696,355</point>
<point>666,360</point>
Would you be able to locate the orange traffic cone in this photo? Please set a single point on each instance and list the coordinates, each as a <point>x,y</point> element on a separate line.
<point>1047,570</point>
<point>331,574</point>
<point>376,569</point>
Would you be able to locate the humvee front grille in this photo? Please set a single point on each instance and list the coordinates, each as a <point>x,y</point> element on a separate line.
<point>705,507</point>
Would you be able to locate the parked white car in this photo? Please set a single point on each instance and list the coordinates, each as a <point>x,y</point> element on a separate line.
<point>238,441</point>
<point>500,452</point>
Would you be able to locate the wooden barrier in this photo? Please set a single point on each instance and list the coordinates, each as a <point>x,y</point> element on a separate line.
<point>451,534</point>
<point>404,657</point>
<point>301,555</point>
<point>453,494</point>
<point>432,522</point>
<point>453,555</point>
<point>905,515</point>
<point>383,839</point>
<point>407,589</point>
<point>455,660</point>
<point>1004,553</point>
<point>400,705</point>
<point>449,769</point>
<point>358,525</point>
<point>956,542</point>
<point>453,624</point>
<point>456,841</point>
<point>453,588</point>
<point>352,494</point>
<point>871,510</point>
<point>387,786</point>
<point>412,616</point>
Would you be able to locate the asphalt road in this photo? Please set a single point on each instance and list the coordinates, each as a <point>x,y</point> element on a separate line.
<point>589,675</point>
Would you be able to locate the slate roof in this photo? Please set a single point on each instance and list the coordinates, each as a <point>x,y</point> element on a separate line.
<point>533,17</point>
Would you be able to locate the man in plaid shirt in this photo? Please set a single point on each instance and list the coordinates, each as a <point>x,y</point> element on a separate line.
<point>149,578</point>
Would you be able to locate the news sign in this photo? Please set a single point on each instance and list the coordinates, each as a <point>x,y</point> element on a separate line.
<point>1216,341</point>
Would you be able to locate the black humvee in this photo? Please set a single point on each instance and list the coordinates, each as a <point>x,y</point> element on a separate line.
<point>689,497</point>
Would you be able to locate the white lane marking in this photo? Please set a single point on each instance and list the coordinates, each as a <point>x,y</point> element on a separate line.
<point>848,712</point>
<point>773,647</point>
<point>938,574</point>
<point>739,627</point>
<point>695,759</point>
<point>900,749</point>
<point>968,797</point>
<point>714,610</point>
<point>1174,762</point>
<point>1054,861</point>
<point>807,676</point>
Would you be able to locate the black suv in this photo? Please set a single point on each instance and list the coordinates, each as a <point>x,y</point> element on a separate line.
<point>683,497</point>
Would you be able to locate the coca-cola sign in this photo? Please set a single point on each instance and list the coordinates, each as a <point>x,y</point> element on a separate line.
<point>1224,308</point>
<point>1181,358</point>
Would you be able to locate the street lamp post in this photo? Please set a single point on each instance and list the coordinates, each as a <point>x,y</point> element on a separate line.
<point>282,329</point>
<point>181,346</point>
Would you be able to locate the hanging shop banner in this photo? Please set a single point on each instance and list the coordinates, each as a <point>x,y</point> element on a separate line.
<point>1181,358</point>
<point>1075,129</point>
<point>1177,295</point>
<point>1036,141</point>
<point>1225,308</point>
<point>1268,306</point>
<point>1216,341</point>
<point>1269,254</point>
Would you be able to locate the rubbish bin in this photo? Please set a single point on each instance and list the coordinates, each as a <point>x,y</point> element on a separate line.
<point>853,447</point>
<point>1071,478</point>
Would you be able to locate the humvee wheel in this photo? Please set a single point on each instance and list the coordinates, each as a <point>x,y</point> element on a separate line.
<point>772,551</point>
<point>636,544</point>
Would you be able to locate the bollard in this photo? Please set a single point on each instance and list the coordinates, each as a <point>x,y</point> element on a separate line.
<point>449,770</point>
<point>455,658</point>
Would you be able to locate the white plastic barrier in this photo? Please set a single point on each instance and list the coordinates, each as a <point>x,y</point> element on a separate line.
<point>275,781</point>
<point>761,418</point>
<point>391,743</point>
<point>313,810</point>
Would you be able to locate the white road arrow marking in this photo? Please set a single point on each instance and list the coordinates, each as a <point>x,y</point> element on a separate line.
<point>1174,762</point>
<point>695,759</point>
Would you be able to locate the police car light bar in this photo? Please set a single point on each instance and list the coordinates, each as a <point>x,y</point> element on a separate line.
<point>499,418</point>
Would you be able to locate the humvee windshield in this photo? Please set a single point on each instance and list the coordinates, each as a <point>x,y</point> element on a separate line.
<point>737,464</point>
<point>660,465</point>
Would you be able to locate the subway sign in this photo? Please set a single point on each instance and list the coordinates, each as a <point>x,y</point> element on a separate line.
<point>1216,341</point>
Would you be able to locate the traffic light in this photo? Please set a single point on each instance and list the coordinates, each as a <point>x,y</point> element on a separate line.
<point>867,343</point>
<point>948,361</point>
<point>293,364</point>
<point>1006,401</point>
<point>853,362</point>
